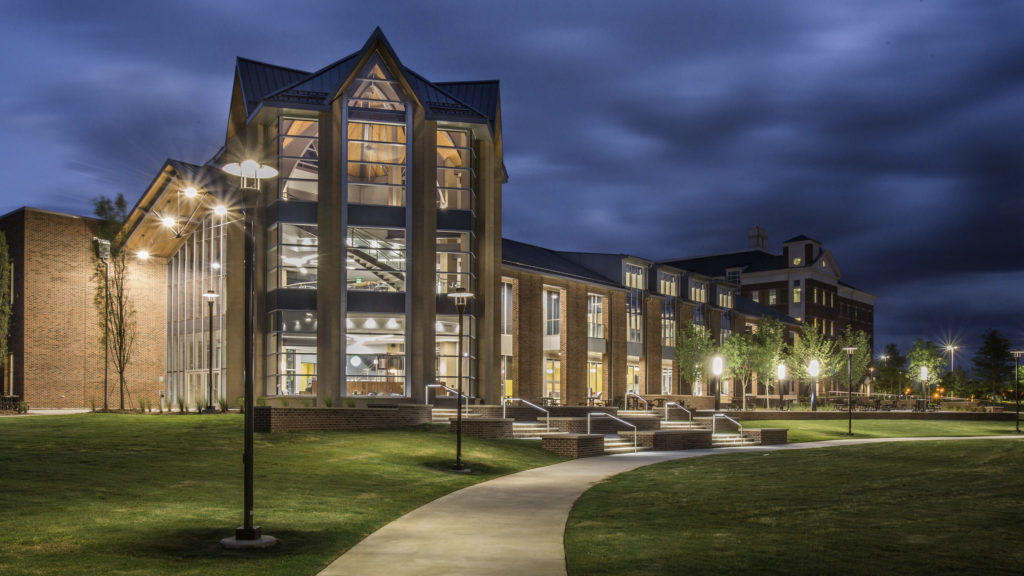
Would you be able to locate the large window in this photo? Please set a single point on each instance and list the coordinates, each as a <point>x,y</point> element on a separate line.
<point>454,172</point>
<point>698,291</point>
<point>292,258</point>
<point>454,261</point>
<point>507,321</point>
<point>634,275</point>
<point>668,322</point>
<point>724,297</point>
<point>446,334</point>
<point>668,284</point>
<point>298,158</point>
<point>633,378</point>
<point>376,259</point>
<point>552,314</point>
<point>196,268</point>
<point>375,354</point>
<point>552,381</point>
<point>595,316</point>
<point>291,352</point>
<point>595,378</point>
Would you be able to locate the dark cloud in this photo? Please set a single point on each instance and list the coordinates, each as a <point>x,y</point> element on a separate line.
<point>890,131</point>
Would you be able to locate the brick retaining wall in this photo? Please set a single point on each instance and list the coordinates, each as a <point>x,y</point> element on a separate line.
<point>274,419</point>
<point>603,425</point>
<point>523,413</point>
<point>574,445</point>
<point>486,428</point>
<point>862,415</point>
<point>767,436</point>
<point>671,439</point>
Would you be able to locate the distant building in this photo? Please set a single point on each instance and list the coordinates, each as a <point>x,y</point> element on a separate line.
<point>803,282</point>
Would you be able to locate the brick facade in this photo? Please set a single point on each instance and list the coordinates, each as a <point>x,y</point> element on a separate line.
<point>574,445</point>
<point>485,428</point>
<point>274,419</point>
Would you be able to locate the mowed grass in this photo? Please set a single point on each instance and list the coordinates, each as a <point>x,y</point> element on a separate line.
<point>813,430</point>
<point>123,494</point>
<point>930,508</point>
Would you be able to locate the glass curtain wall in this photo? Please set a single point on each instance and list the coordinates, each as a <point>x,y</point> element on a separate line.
<point>376,138</point>
<point>196,268</point>
<point>447,337</point>
<point>292,357</point>
<point>635,303</point>
<point>455,261</point>
<point>375,260</point>
<point>454,170</point>
<point>595,316</point>
<point>298,158</point>
<point>375,354</point>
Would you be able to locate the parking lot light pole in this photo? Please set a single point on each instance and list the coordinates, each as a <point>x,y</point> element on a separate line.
<point>1016,384</point>
<point>814,368</point>
<point>716,368</point>
<point>211,297</point>
<point>461,297</point>
<point>849,386</point>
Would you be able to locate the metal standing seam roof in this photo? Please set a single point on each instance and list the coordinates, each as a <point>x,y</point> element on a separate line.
<point>482,96</point>
<point>716,265</point>
<point>542,260</point>
<point>259,80</point>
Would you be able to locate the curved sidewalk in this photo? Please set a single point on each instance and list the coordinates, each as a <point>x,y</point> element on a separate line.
<point>514,524</point>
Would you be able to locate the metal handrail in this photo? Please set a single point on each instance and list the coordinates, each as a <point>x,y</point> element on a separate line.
<point>547,419</point>
<point>714,420</point>
<point>426,393</point>
<point>681,407</point>
<point>647,405</point>
<point>635,430</point>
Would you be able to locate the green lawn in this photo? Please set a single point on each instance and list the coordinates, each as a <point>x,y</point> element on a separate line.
<point>123,494</point>
<point>812,430</point>
<point>928,508</point>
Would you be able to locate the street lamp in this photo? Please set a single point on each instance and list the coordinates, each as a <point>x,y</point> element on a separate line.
<point>849,386</point>
<point>247,535</point>
<point>461,297</point>
<point>103,253</point>
<point>781,373</point>
<point>814,368</point>
<point>1016,384</point>
<point>951,349</point>
<point>924,384</point>
<point>716,369</point>
<point>211,297</point>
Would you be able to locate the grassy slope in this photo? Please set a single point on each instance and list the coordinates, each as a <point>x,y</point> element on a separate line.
<point>929,508</point>
<point>116,494</point>
<point>811,430</point>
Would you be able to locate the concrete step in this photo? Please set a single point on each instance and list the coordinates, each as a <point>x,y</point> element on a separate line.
<point>726,440</point>
<point>633,413</point>
<point>618,445</point>
<point>681,425</point>
<point>442,415</point>
<point>530,430</point>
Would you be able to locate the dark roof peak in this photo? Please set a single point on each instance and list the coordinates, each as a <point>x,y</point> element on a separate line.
<point>801,238</point>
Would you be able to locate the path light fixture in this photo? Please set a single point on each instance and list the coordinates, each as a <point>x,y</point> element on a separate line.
<point>211,297</point>
<point>460,297</point>
<point>849,386</point>
<point>716,369</point>
<point>1016,384</point>
<point>814,368</point>
<point>781,377</point>
<point>251,173</point>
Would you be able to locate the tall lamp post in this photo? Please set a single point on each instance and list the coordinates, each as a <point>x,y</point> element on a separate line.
<point>849,386</point>
<point>716,369</point>
<point>814,368</point>
<point>781,373</point>
<point>211,297</point>
<point>461,297</point>
<point>103,252</point>
<point>250,172</point>
<point>1016,384</point>
<point>924,385</point>
<point>951,349</point>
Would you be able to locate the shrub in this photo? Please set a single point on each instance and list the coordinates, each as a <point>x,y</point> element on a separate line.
<point>181,403</point>
<point>261,401</point>
<point>307,403</point>
<point>350,402</point>
<point>222,403</point>
<point>22,408</point>
<point>285,402</point>
<point>328,401</point>
<point>92,404</point>
<point>142,405</point>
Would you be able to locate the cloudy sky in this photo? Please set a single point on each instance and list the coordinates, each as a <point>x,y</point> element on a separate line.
<point>891,131</point>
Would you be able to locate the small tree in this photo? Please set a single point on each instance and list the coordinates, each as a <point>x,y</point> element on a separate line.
<point>771,343</point>
<point>6,302</point>
<point>741,353</point>
<point>993,363</point>
<point>861,357</point>
<point>694,348</point>
<point>812,345</point>
<point>117,313</point>
<point>924,354</point>
<point>890,373</point>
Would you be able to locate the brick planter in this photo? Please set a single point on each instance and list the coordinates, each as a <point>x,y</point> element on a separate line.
<point>671,439</point>
<point>273,419</point>
<point>766,436</point>
<point>574,445</point>
<point>486,428</point>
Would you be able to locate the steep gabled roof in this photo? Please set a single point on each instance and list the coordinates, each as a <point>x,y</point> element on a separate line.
<point>544,261</point>
<point>801,238</point>
<point>482,96</point>
<point>717,264</point>
<point>259,80</point>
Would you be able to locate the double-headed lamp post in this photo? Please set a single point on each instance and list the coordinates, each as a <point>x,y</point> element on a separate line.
<point>211,297</point>
<point>251,173</point>
<point>1016,384</point>
<point>951,349</point>
<point>814,368</point>
<point>716,369</point>
<point>849,386</point>
<point>461,297</point>
<point>781,376</point>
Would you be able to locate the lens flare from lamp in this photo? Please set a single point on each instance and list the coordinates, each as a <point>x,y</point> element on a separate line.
<point>191,192</point>
<point>142,254</point>
<point>220,210</point>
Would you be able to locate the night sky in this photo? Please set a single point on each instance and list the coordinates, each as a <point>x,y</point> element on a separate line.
<point>891,131</point>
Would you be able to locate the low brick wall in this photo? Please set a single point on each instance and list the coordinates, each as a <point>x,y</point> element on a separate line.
<point>671,439</point>
<point>767,436</point>
<point>574,445</point>
<point>603,425</point>
<point>523,413</point>
<point>861,415</point>
<point>486,428</point>
<point>274,419</point>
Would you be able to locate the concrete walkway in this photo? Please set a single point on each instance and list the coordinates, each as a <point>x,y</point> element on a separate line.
<point>514,524</point>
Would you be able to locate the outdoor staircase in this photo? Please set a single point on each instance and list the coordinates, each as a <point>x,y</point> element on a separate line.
<point>730,439</point>
<point>443,415</point>
<point>530,430</point>
<point>681,425</point>
<point>615,444</point>
<point>635,413</point>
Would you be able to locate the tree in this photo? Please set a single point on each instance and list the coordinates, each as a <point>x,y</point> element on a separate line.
<point>740,351</point>
<point>812,345</point>
<point>861,357</point>
<point>117,313</point>
<point>924,354</point>
<point>993,362</point>
<point>891,370</point>
<point>958,384</point>
<point>771,339</point>
<point>694,349</point>
<point>6,302</point>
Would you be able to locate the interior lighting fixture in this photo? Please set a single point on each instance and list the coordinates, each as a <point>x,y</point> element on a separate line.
<point>168,221</point>
<point>190,192</point>
<point>215,265</point>
<point>142,254</point>
<point>220,210</point>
